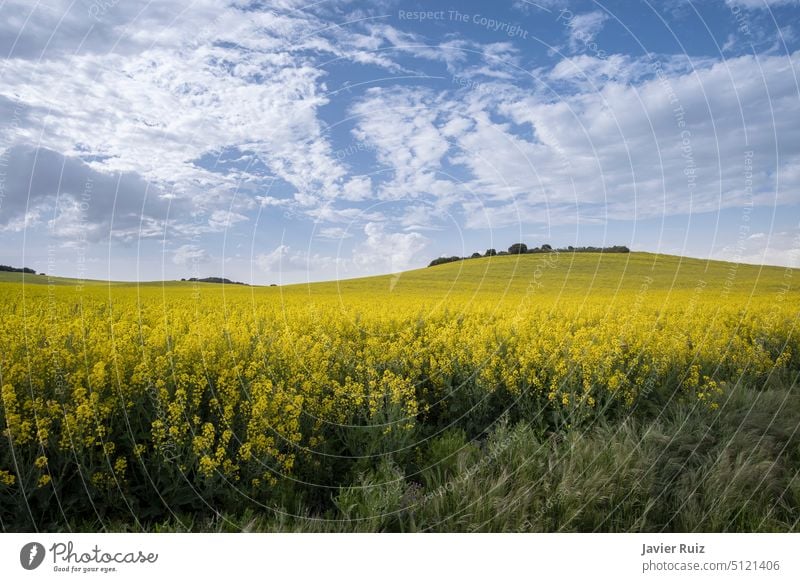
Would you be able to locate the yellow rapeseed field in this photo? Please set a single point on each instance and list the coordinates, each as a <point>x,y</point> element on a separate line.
<point>110,391</point>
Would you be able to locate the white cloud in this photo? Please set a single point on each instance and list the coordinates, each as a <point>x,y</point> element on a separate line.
<point>588,73</point>
<point>730,43</point>
<point>771,248</point>
<point>629,144</point>
<point>223,220</point>
<point>403,126</point>
<point>80,201</point>
<point>334,233</point>
<point>331,214</point>
<point>156,89</point>
<point>583,28</point>
<point>190,254</point>
<point>156,112</point>
<point>272,261</point>
<point>425,217</point>
<point>272,201</point>
<point>286,260</point>
<point>357,188</point>
<point>391,252</point>
<point>23,221</point>
<point>380,251</point>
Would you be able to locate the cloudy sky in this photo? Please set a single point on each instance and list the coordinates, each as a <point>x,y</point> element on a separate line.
<point>285,141</point>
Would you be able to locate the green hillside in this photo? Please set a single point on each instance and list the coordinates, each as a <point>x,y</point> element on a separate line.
<point>546,276</point>
<point>574,274</point>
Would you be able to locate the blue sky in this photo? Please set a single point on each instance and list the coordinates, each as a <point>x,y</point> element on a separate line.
<point>286,141</point>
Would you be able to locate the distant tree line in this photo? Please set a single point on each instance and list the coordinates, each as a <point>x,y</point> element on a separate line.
<point>522,249</point>
<point>214,280</point>
<point>8,269</point>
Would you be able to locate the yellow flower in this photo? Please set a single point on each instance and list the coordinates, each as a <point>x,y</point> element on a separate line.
<point>208,466</point>
<point>120,465</point>
<point>7,478</point>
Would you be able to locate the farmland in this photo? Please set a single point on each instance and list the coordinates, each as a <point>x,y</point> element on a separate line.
<point>548,392</point>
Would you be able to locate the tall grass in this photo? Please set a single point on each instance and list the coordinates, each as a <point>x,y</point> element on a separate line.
<point>686,468</point>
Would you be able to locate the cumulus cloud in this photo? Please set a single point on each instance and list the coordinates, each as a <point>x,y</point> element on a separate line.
<point>77,200</point>
<point>153,90</point>
<point>155,112</point>
<point>404,128</point>
<point>663,138</point>
<point>283,259</point>
<point>190,254</point>
<point>763,248</point>
<point>272,261</point>
<point>674,143</point>
<point>388,251</point>
<point>381,250</point>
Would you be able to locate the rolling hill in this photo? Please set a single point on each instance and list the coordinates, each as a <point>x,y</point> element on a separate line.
<point>547,277</point>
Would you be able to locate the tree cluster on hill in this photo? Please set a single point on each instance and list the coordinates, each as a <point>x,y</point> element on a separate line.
<point>522,249</point>
<point>443,260</point>
<point>214,280</point>
<point>8,269</point>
